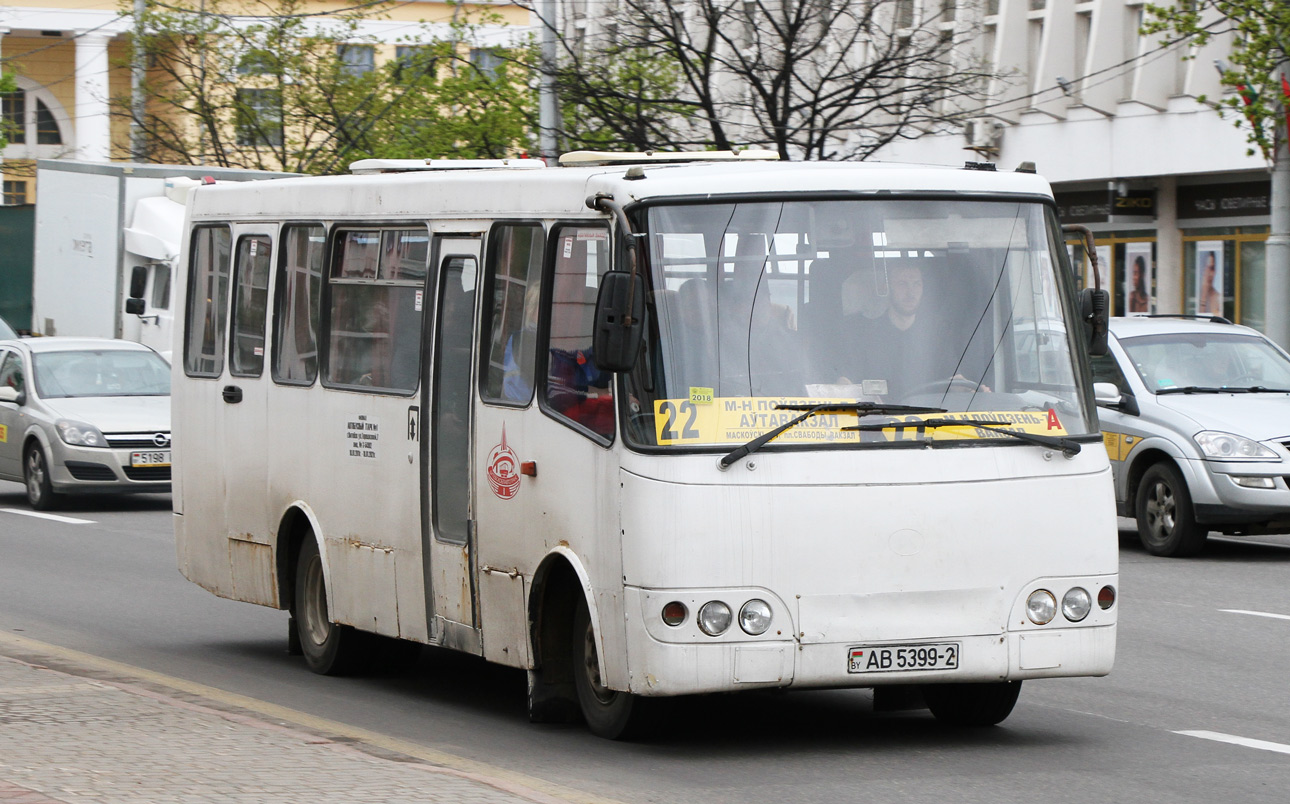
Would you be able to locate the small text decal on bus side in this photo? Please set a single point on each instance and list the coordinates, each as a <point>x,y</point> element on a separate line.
<point>362,433</point>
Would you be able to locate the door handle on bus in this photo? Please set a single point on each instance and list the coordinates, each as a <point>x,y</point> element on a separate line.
<point>232,394</point>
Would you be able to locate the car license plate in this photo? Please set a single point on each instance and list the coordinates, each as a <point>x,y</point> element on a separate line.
<point>903,658</point>
<point>152,458</point>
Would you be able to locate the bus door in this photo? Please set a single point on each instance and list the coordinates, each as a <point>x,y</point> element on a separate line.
<point>246,450</point>
<point>446,491</point>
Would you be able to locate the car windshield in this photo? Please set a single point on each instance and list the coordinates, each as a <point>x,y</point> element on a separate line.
<point>958,305</point>
<point>1207,360</point>
<point>100,372</point>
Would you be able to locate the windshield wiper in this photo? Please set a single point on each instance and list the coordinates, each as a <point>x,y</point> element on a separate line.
<point>1068,446</point>
<point>1192,389</point>
<point>858,408</point>
<point>1255,389</point>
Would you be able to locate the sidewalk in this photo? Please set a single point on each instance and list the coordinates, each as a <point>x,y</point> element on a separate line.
<point>69,738</point>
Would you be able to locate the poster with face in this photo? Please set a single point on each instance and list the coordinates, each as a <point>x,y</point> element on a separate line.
<point>1139,278</point>
<point>1209,277</point>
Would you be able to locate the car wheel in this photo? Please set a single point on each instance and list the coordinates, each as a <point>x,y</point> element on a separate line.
<point>972,705</point>
<point>609,713</point>
<point>328,648</point>
<point>1166,522</point>
<point>35,471</point>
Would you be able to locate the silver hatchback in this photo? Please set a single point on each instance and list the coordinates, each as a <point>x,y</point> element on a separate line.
<point>83,415</point>
<point>1195,417</point>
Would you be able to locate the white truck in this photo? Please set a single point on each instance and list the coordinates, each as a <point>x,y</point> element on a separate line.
<point>108,235</point>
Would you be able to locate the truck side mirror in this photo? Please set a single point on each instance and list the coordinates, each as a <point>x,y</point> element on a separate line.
<point>134,306</point>
<point>138,283</point>
<point>1093,305</point>
<point>616,337</point>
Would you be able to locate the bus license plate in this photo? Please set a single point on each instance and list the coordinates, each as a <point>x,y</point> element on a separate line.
<point>154,458</point>
<point>903,658</point>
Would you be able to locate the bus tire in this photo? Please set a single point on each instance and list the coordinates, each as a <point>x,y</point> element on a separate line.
<point>35,471</point>
<point>1166,522</point>
<point>609,713</point>
<point>972,705</point>
<point>329,649</point>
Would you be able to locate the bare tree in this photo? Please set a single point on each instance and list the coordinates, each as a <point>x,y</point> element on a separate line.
<point>812,79</point>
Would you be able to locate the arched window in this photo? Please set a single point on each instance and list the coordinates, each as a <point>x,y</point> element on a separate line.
<point>32,117</point>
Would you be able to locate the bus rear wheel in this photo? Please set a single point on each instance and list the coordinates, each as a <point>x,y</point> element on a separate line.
<point>609,713</point>
<point>972,704</point>
<point>329,649</point>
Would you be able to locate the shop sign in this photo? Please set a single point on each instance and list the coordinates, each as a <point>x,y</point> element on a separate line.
<point>1100,206</point>
<point>1224,200</point>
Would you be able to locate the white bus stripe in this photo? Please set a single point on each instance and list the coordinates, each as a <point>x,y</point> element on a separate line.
<point>55,517</point>
<point>1262,745</point>
<point>1258,613</point>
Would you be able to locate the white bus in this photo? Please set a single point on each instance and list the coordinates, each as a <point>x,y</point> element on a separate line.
<point>645,425</point>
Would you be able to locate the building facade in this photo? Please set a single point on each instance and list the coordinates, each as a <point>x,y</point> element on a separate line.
<point>1115,121</point>
<point>70,60</point>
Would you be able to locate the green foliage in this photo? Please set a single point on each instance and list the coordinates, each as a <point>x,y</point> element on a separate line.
<point>7,84</point>
<point>625,103</point>
<point>266,85</point>
<point>1260,34</point>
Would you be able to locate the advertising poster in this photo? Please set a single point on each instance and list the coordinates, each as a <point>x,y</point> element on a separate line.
<point>1209,277</point>
<point>1139,278</point>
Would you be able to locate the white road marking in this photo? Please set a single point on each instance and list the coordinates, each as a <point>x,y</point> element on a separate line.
<point>1258,613</point>
<point>55,517</point>
<point>1216,736</point>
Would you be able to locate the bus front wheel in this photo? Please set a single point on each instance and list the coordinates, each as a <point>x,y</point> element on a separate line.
<point>972,704</point>
<point>609,713</point>
<point>328,648</point>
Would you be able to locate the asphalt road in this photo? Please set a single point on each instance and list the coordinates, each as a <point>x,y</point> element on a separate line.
<point>1196,710</point>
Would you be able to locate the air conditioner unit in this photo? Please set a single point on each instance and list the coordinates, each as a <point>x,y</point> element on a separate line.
<point>983,134</point>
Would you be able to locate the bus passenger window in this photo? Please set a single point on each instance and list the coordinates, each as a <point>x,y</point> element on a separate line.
<point>295,340</point>
<point>250,303</point>
<point>207,311</point>
<point>514,268</point>
<point>377,280</point>
<point>575,388</point>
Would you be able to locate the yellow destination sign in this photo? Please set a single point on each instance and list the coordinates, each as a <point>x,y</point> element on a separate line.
<point>736,420</point>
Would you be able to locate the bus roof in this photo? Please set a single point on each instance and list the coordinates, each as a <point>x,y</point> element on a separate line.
<point>562,191</point>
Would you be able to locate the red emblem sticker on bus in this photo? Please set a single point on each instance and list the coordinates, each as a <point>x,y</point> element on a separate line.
<point>503,470</point>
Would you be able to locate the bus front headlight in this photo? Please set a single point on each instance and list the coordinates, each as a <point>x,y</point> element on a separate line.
<point>1076,604</point>
<point>1041,607</point>
<point>714,618</point>
<point>755,617</point>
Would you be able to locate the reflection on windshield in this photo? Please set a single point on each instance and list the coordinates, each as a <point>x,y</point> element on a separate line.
<point>100,373</point>
<point>943,303</point>
<point>1206,360</point>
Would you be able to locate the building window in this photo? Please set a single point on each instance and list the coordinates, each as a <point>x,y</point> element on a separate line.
<point>412,62</point>
<point>259,117</point>
<point>15,192</point>
<point>487,60</point>
<point>356,60</point>
<point>14,116</point>
<point>47,132</point>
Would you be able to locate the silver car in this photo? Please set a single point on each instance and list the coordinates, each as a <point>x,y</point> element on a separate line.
<point>1196,419</point>
<point>83,415</point>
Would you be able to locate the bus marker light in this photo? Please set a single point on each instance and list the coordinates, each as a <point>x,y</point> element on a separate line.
<point>674,613</point>
<point>1106,597</point>
<point>714,618</point>
<point>1041,607</point>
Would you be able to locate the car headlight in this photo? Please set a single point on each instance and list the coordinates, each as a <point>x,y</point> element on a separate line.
<point>1228,447</point>
<point>80,434</point>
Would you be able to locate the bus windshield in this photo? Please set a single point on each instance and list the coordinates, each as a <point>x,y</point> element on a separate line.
<point>954,304</point>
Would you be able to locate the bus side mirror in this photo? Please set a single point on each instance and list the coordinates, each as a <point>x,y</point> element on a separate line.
<point>134,306</point>
<point>138,282</point>
<point>616,340</point>
<point>1093,306</point>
